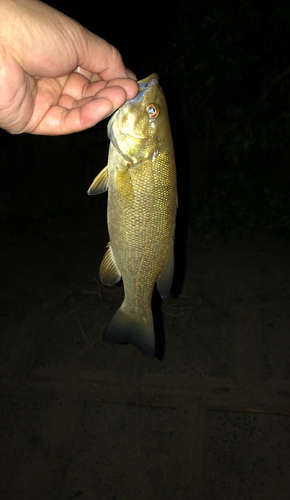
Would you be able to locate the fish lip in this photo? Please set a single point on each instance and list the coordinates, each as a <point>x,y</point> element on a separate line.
<point>145,85</point>
<point>149,78</point>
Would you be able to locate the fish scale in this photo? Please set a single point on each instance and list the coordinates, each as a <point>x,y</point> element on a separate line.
<point>142,200</point>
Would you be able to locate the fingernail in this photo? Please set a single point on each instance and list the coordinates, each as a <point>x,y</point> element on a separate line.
<point>130,74</point>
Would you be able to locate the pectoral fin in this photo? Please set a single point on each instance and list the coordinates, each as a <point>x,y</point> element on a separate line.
<point>164,281</point>
<point>109,271</point>
<point>100,183</point>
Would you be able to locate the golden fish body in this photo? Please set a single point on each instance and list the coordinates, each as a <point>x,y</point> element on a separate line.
<point>142,201</point>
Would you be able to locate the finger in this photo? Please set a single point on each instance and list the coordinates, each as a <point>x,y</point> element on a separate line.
<point>114,95</point>
<point>108,64</point>
<point>87,74</point>
<point>130,74</point>
<point>128,85</point>
<point>68,102</point>
<point>78,87</point>
<point>117,95</point>
<point>60,120</point>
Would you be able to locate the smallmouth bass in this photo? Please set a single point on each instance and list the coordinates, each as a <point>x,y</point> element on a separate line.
<point>142,200</point>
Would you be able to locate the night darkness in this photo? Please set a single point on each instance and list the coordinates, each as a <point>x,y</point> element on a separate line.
<point>208,417</point>
<point>225,72</point>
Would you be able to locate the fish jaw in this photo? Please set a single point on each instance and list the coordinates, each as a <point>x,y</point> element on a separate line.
<point>132,132</point>
<point>145,85</point>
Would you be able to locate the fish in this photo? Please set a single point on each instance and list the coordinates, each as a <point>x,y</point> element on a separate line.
<point>140,178</point>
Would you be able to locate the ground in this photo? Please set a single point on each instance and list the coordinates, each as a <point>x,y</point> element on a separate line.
<point>207,419</point>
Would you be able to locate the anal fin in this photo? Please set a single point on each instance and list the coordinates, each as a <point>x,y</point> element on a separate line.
<point>109,271</point>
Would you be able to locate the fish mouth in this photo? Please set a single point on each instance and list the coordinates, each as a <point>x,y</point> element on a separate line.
<point>148,81</point>
<point>145,85</point>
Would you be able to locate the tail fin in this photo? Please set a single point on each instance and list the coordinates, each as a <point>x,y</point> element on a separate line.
<point>125,327</point>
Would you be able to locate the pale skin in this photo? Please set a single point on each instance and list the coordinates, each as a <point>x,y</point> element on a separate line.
<point>56,77</point>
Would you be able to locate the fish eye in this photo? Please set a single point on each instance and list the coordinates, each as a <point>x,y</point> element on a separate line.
<point>152,110</point>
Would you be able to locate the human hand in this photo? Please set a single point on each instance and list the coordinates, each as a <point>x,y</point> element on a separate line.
<point>56,77</point>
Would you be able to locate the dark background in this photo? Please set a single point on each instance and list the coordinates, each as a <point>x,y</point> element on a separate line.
<point>210,419</point>
<point>225,69</point>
